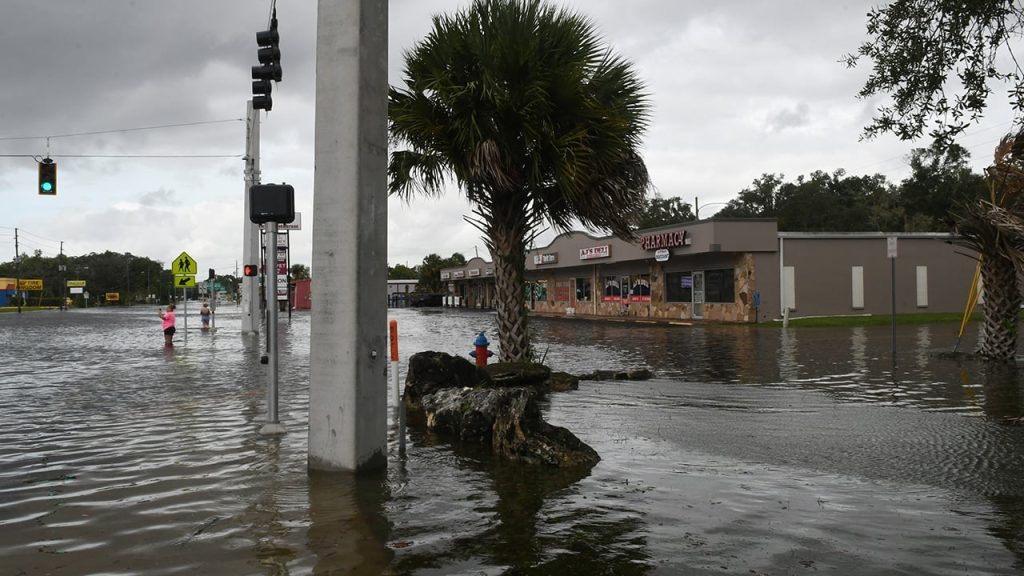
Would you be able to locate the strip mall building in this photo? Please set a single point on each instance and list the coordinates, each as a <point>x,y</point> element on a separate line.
<point>732,270</point>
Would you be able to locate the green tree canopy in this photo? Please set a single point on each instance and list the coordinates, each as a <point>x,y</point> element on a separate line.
<point>430,272</point>
<point>937,61</point>
<point>660,211</point>
<point>402,272</point>
<point>299,272</point>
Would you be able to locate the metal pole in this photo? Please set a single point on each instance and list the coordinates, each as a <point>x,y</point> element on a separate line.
<point>272,426</point>
<point>251,238</point>
<point>893,275</point>
<point>17,271</point>
<point>63,280</point>
<point>184,306</point>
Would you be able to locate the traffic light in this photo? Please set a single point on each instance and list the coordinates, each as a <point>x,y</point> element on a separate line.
<point>48,177</point>
<point>212,274</point>
<point>251,270</point>
<point>269,55</point>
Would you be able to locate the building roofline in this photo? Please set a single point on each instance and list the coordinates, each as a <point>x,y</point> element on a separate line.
<point>921,235</point>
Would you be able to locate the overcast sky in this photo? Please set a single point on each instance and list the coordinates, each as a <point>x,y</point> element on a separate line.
<point>737,89</point>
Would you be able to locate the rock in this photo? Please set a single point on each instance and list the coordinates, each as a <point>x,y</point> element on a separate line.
<point>432,371</point>
<point>509,420</point>
<point>520,433</point>
<point>518,374</point>
<point>562,382</point>
<point>631,374</point>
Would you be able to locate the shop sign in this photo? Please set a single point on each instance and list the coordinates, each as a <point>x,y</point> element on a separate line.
<point>661,255</point>
<point>76,284</point>
<point>30,285</point>
<point>474,272</point>
<point>459,274</point>
<point>446,275</point>
<point>664,240</point>
<point>489,271</point>
<point>112,296</point>
<point>549,258</point>
<point>77,290</point>
<point>595,252</point>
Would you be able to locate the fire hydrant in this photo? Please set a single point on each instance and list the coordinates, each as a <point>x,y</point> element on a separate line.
<point>481,353</point>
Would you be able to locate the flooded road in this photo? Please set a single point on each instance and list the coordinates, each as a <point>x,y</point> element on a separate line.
<point>753,451</point>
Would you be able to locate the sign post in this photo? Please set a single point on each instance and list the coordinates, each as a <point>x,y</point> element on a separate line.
<point>891,249</point>
<point>185,269</point>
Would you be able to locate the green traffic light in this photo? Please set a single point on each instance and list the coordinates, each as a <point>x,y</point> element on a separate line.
<point>46,186</point>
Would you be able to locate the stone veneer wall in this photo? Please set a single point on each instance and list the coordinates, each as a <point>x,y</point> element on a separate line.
<point>742,310</point>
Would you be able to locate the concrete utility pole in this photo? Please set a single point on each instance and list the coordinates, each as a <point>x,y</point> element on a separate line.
<point>348,339</point>
<point>251,232</point>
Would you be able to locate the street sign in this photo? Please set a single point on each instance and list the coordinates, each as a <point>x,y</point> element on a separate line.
<point>293,225</point>
<point>890,246</point>
<point>184,264</point>
<point>77,289</point>
<point>30,285</point>
<point>186,281</point>
<point>76,283</point>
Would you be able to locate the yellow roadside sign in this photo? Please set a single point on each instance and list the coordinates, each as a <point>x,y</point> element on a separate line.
<point>112,296</point>
<point>76,283</point>
<point>184,264</point>
<point>186,281</point>
<point>30,285</point>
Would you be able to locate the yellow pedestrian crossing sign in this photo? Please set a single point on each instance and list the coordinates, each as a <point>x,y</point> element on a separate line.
<point>184,264</point>
<point>186,281</point>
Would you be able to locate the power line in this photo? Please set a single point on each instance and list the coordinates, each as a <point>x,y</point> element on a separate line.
<point>137,129</point>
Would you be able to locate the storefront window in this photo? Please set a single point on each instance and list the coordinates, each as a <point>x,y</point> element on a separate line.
<point>679,287</point>
<point>537,291</point>
<point>720,286</point>
<point>640,291</point>
<point>612,292</point>
<point>583,290</point>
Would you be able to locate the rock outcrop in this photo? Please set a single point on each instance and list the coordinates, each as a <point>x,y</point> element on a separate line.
<point>631,374</point>
<point>496,406</point>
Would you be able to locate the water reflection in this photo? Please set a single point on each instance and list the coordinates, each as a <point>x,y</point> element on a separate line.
<point>348,530</point>
<point>535,520</point>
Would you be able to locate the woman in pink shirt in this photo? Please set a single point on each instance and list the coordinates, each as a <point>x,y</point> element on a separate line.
<point>168,319</point>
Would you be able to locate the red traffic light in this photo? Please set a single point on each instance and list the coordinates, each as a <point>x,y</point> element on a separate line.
<point>251,270</point>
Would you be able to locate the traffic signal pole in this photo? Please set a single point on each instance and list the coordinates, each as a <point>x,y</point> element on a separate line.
<point>251,231</point>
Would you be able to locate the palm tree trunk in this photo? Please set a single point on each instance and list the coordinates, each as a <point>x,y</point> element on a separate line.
<point>1002,305</point>
<point>509,273</point>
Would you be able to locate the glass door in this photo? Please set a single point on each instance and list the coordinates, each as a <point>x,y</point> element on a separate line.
<point>698,294</point>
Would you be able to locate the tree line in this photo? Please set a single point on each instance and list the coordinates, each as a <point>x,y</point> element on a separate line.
<point>136,279</point>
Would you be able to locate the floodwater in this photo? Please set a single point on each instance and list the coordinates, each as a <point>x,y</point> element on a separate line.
<point>754,451</point>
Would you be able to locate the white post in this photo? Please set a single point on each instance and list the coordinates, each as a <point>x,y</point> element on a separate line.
<point>250,231</point>
<point>184,308</point>
<point>348,342</point>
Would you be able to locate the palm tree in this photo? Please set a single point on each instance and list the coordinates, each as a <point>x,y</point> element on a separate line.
<point>994,227</point>
<point>519,105</point>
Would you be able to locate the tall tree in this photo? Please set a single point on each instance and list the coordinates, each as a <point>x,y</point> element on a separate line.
<point>402,272</point>
<point>921,49</point>
<point>534,120</point>
<point>940,179</point>
<point>757,201</point>
<point>660,211</point>
<point>430,272</point>
<point>299,272</point>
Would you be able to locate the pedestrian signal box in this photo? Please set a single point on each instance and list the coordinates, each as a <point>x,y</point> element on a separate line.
<point>251,270</point>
